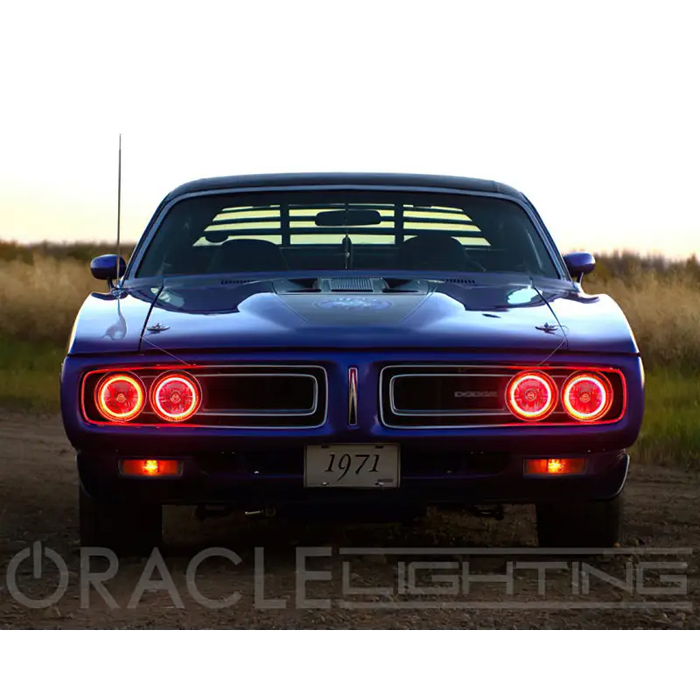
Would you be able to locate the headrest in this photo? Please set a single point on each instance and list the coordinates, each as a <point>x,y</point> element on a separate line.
<point>248,255</point>
<point>432,251</point>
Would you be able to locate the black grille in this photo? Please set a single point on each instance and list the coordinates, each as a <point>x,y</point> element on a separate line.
<point>284,396</point>
<point>447,393</point>
<point>414,396</point>
<point>351,284</point>
<point>260,393</point>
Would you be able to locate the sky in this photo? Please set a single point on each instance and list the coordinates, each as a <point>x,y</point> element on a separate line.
<point>591,109</point>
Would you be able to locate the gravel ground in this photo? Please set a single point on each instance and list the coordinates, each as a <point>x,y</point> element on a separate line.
<point>362,589</point>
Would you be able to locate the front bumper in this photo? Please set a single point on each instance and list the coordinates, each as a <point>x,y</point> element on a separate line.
<point>263,478</point>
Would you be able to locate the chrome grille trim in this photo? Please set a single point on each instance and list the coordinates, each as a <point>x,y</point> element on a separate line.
<point>281,412</point>
<point>558,373</point>
<point>293,371</point>
<point>352,397</point>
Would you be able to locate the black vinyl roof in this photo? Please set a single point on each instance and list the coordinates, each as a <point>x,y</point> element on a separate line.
<point>344,179</point>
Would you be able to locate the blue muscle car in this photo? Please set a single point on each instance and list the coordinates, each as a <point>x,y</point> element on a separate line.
<point>360,343</point>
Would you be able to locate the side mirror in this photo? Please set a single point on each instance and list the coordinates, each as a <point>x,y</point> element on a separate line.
<point>108,267</point>
<point>579,264</point>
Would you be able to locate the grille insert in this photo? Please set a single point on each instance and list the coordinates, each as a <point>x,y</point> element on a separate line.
<point>351,284</point>
<point>462,396</point>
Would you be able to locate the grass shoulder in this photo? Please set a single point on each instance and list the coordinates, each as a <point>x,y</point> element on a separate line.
<point>671,429</point>
<point>30,375</point>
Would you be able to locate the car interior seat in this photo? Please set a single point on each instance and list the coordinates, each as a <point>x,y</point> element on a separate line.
<point>248,255</point>
<point>432,251</point>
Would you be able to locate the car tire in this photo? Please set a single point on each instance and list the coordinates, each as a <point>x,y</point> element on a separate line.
<point>586,524</point>
<point>125,528</point>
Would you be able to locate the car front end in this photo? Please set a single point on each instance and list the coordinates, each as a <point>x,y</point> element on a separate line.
<point>238,457</point>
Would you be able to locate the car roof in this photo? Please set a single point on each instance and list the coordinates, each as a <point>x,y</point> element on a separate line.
<point>321,180</point>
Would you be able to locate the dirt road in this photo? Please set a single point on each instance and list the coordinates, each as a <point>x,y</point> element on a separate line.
<point>637,585</point>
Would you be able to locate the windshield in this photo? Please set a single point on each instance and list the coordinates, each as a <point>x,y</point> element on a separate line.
<point>356,230</point>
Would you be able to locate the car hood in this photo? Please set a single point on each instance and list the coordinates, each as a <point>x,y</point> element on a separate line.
<point>268,314</point>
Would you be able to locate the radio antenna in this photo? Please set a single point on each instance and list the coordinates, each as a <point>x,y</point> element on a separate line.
<point>119,213</point>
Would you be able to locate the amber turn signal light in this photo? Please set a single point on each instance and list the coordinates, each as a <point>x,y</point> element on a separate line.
<point>552,467</point>
<point>151,467</point>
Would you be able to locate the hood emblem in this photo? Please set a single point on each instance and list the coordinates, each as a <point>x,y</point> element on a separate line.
<point>157,328</point>
<point>547,328</point>
<point>354,303</point>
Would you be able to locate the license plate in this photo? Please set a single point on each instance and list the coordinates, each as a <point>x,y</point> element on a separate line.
<point>352,466</point>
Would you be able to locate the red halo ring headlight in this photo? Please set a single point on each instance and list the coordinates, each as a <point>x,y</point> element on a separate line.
<point>531,395</point>
<point>120,397</point>
<point>587,396</point>
<point>175,396</point>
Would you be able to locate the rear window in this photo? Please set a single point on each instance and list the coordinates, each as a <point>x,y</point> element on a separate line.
<point>333,230</point>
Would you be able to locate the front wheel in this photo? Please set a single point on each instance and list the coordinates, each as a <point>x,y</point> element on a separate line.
<point>123,527</point>
<point>586,524</point>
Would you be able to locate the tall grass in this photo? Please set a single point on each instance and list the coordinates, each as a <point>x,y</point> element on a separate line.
<point>83,252</point>
<point>39,297</point>
<point>664,312</point>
